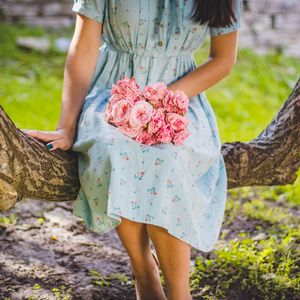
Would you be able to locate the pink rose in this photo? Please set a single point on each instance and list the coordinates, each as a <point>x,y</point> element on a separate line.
<point>145,138</point>
<point>127,88</point>
<point>140,114</point>
<point>176,121</point>
<point>168,103</point>
<point>154,115</point>
<point>115,98</point>
<point>128,130</point>
<point>112,100</point>
<point>165,134</point>
<point>180,136</point>
<point>120,112</point>
<point>157,121</point>
<point>181,101</point>
<point>155,93</point>
<point>151,140</point>
<point>107,113</point>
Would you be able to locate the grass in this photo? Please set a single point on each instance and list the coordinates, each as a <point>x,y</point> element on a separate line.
<point>247,100</point>
<point>247,267</point>
<point>31,86</point>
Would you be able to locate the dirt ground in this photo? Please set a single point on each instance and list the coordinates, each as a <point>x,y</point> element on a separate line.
<point>49,248</point>
<point>47,253</point>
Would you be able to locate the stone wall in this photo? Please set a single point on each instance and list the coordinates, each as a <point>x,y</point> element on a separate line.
<point>50,13</point>
<point>57,13</point>
<point>272,24</point>
<point>266,24</point>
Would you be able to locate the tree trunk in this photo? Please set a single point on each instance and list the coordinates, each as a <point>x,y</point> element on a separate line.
<point>29,170</point>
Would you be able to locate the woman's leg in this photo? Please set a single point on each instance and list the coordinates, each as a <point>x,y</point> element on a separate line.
<point>136,242</point>
<point>174,257</point>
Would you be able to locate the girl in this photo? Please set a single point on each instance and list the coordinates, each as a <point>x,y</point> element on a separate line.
<point>171,195</point>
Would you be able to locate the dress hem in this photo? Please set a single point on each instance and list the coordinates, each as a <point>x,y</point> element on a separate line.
<point>95,229</point>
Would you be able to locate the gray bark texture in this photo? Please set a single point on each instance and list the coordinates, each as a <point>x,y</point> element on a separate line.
<point>29,170</point>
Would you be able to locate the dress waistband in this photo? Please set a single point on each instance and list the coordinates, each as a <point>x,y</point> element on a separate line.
<point>148,53</point>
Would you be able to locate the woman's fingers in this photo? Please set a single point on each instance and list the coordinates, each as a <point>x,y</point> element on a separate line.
<point>54,144</point>
<point>59,144</point>
<point>56,140</point>
<point>45,136</point>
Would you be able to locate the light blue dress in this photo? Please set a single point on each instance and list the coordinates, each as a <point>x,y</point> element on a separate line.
<point>181,188</point>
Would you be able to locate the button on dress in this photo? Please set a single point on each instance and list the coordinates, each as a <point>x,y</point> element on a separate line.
<point>180,188</point>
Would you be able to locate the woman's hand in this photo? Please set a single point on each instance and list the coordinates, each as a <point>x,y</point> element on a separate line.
<point>59,139</point>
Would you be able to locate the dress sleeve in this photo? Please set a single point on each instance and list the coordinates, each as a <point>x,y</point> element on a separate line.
<point>93,9</point>
<point>237,6</point>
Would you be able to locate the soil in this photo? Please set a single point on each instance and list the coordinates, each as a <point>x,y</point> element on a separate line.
<point>58,252</point>
<point>49,248</point>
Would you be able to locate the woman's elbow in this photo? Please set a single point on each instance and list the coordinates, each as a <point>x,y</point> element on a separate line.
<point>228,66</point>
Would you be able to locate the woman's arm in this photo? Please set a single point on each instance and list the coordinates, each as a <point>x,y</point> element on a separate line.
<point>79,67</point>
<point>222,57</point>
<point>80,64</point>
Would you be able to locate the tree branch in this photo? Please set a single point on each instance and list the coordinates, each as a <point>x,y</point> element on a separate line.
<point>29,170</point>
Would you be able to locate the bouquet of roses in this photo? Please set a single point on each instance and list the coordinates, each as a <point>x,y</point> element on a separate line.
<point>152,115</point>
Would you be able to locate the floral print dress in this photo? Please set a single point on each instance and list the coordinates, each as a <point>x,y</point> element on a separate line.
<point>180,188</point>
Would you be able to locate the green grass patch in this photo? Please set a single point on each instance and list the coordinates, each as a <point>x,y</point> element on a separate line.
<point>31,82</point>
<point>261,210</point>
<point>11,219</point>
<point>247,100</point>
<point>247,269</point>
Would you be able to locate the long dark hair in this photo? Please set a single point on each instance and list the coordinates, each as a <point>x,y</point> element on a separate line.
<point>217,13</point>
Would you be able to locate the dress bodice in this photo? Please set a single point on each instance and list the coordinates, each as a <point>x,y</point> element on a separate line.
<point>151,40</point>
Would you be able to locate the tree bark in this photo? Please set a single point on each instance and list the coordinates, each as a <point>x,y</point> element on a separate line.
<point>273,157</point>
<point>29,170</point>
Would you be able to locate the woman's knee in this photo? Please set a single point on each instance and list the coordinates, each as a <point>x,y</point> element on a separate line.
<point>133,236</point>
<point>166,240</point>
<point>173,255</point>
<point>136,242</point>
